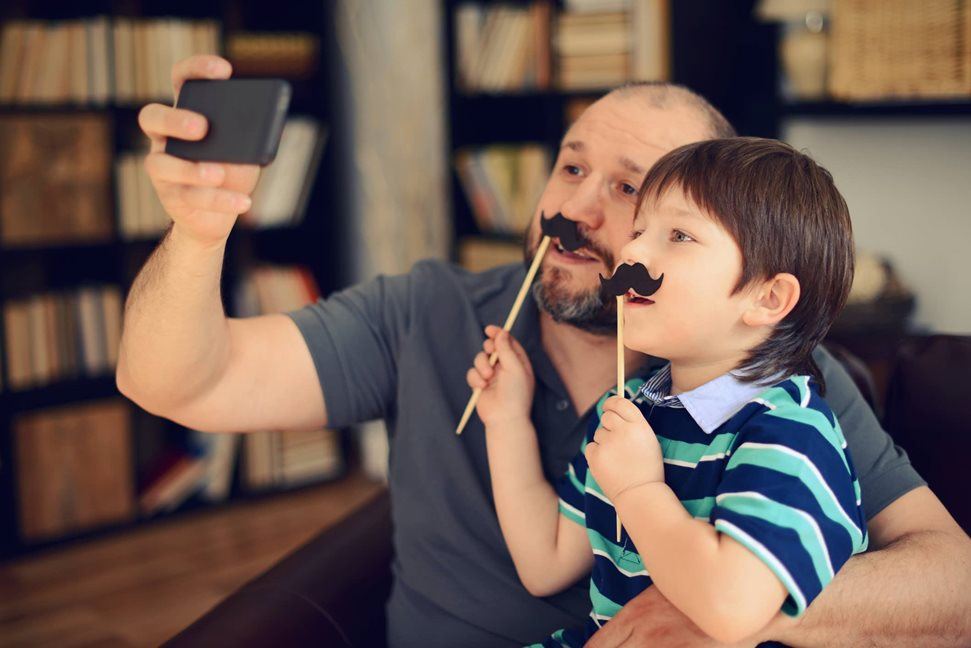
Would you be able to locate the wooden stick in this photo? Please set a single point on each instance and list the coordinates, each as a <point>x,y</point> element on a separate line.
<point>620,375</point>
<point>510,320</point>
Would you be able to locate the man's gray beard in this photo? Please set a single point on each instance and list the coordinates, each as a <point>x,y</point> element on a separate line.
<point>586,310</point>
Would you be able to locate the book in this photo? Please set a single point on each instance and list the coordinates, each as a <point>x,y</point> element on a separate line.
<point>58,166</point>
<point>284,187</point>
<point>502,48</point>
<point>74,469</point>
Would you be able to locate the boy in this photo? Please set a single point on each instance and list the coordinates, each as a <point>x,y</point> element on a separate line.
<point>726,467</point>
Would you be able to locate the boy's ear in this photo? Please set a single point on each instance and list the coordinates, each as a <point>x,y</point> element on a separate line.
<point>772,300</point>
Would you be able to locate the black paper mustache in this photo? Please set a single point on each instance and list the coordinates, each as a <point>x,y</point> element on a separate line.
<point>564,229</point>
<point>628,276</point>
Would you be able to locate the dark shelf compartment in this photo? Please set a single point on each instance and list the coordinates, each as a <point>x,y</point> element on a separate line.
<point>877,109</point>
<point>60,392</point>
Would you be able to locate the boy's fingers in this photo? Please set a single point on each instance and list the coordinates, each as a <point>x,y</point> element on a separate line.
<point>489,346</point>
<point>624,408</point>
<point>474,380</point>
<point>481,364</point>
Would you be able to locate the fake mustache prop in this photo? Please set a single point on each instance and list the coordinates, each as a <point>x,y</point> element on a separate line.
<point>626,277</point>
<point>564,229</point>
<point>560,227</point>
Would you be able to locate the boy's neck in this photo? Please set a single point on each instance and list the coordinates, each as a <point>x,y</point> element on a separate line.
<point>586,362</point>
<point>689,375</point>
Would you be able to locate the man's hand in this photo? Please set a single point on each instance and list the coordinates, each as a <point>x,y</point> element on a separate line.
<point>625,452</point>
<point>203,198</point>
<point>507,388</point>
<point>649,620</point>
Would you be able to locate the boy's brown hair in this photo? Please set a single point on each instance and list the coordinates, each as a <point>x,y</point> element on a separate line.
<point>786,215</point>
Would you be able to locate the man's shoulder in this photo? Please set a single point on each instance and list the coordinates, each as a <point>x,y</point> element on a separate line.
<point>435,274</point>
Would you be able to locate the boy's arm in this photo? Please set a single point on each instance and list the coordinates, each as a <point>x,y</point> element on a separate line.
<point>719,584</point>
<point>549,551</point>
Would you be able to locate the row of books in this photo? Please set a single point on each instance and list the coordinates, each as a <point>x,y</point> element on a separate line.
<point>140,212</point>
<point>97,60</point>
<point>588,45</point>
<point>503,184</point>
<point>598,48</point>
<point>55,336</point>
<point>503,48</point>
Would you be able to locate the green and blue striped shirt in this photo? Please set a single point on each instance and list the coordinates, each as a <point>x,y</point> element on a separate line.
<point>767,466</point>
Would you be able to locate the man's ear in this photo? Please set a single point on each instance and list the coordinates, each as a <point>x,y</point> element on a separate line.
<point>772,300</point>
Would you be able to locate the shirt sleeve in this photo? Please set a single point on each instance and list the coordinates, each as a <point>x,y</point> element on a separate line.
<point>353,337</point>
<point>884,469</point>
<point>789,494</point>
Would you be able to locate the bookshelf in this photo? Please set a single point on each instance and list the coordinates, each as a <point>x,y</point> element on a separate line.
<point>717,49</point>
<point>295,42</point>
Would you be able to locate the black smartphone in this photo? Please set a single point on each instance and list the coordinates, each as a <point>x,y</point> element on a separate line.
<point>245,117</point>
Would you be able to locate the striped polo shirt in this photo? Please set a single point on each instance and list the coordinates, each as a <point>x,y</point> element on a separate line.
<point>766,465</point>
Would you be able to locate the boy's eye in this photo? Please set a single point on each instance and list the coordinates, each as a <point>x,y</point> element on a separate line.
<point>636,234</point>
<point>628,189</point>
<point>680,237</point>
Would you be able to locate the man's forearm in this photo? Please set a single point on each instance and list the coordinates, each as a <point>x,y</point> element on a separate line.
<point>915,591</point>
<point>175,340</point>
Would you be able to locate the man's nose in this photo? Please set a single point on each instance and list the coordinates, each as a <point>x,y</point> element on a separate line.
<point>586,204</point>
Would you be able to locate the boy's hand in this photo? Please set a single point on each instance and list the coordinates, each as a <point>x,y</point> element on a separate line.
<point>624,452</point>
<point>507,388</point>
<point>203,198</point>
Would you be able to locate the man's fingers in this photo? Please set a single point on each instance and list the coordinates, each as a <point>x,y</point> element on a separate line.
<point>209,199</point>
<point>158,121</point>
<point>201,66</point>
<point>167,168</point>
<point>489,346</point>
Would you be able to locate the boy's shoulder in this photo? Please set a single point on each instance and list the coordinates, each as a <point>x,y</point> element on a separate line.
<point>791,412</point>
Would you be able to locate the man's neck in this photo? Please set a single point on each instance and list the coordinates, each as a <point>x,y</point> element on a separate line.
<point>586,362</point>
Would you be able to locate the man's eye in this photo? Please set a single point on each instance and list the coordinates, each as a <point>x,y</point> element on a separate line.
<point>572,169</point>
<point>680,237</point>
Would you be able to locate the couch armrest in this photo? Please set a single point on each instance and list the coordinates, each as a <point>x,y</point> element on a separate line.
<point>329,592</point>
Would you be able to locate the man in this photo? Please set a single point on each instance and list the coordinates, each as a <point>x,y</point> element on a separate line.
<point>397,347</point>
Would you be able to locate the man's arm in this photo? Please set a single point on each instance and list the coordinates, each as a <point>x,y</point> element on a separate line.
<point>914,589</point>
<point>180,357</point>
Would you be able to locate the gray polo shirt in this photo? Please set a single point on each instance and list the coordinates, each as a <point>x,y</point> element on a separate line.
<point>398,348</point>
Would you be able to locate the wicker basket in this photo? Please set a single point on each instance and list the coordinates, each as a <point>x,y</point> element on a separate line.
<point>900,49</point>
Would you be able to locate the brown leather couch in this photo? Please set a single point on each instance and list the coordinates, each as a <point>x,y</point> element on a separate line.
<point>316,596</point>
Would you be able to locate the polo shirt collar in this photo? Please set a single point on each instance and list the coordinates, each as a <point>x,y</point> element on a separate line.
<point>709,405</point>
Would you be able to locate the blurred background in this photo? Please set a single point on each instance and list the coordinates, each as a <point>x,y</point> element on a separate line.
<point>418,128</point>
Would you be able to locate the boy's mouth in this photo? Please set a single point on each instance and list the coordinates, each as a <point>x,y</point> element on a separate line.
<point>633,299</point>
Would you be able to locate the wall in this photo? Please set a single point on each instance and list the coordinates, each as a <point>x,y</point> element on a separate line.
<point>908,185</point>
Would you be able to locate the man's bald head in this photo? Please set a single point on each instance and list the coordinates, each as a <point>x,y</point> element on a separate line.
<point>663,95</point>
